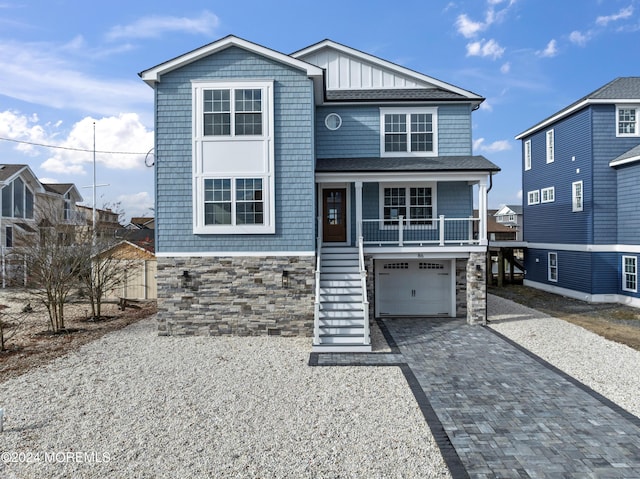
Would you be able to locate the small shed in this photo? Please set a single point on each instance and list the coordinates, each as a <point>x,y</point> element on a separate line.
<point>139,262</point>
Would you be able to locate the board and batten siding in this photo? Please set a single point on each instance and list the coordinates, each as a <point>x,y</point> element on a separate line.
<point>556,222</point>
<point>294,160</point>
<point>359,134</point>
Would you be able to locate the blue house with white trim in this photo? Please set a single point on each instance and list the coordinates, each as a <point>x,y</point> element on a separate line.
<point>306,194</point>
<point>581,188</point>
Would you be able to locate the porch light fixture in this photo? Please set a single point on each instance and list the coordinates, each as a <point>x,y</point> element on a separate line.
<point>285,279</point>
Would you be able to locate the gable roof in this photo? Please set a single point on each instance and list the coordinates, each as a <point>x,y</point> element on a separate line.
<point>62,189</point>
<point>338,60</point>
<point>10,172</point>
<point>620,90</point>
<point>153,75</point>
<point>509,209</point>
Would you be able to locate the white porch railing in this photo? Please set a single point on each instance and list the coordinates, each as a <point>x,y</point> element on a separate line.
<point>442,231</point>
<point>363,284</point>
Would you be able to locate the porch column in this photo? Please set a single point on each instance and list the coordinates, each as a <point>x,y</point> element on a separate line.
<point>482,211</point>
<point>358,186</point>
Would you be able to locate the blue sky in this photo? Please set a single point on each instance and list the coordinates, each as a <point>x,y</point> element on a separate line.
<point>66,65</point>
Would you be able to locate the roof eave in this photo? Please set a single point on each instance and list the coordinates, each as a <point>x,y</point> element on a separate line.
<point>152,75</point>
<point>569,111</point>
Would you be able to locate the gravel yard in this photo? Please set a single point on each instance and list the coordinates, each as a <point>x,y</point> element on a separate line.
<point>132,404</point>
<point>149,406</point>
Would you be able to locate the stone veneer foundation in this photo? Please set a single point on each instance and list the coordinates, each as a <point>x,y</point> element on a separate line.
<point>243,296</point>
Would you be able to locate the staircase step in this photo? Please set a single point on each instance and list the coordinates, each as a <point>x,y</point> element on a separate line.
<point>339,276</point>
<point>341,322</point>
<point>341,348</point>
<point>341,306</point>
<point>341,338</point>
<point>332,313</point>
<point>340,270</point>
<point>342,331</point>
<point>341,291</point>
<point>339,249</point>
<point>340,283</point>
<point>341,298</point>
<point>339,263</point>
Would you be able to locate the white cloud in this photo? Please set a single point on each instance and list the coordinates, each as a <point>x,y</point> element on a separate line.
<point>486,106</point>
<point>481,48</point>
<point>44,74</point>
<point>551,50</point>
<point>621,15</point>
<point>15,126</point>
<point>519,194</point>
<point>578,38</point>
<point>137,204</point>
<point>124,133</point>
<point>506,68</point>
<point>499,145</point>
<point>156,26</point>
<point>468,28</point>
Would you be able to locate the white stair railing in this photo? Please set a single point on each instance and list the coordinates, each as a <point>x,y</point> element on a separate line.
<point>316,305</point>
<point>363,284</point>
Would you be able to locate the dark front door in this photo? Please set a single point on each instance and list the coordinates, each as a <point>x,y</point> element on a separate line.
<point>334,207</point>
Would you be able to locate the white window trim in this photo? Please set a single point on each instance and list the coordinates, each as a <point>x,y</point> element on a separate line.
<point>549,267</point>
<point>550,195</point>
<point>574,206</point>
<point>407,186</point>
<point>527,155</point>
<point>408,111</point>
<point>533,197</point>
<point>551,145</point>
<point>628,107</point>
<point>624,274</point>
<point>264,143</point>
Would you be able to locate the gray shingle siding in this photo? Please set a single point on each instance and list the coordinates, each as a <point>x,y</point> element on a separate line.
<point>294,156</point>
<point>359,135</point>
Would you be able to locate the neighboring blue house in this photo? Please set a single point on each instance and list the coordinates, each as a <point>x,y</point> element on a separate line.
<point>303,194</point>
<point>581,188</point>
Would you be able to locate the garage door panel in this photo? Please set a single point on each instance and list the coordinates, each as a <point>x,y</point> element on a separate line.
<point>413,288</point>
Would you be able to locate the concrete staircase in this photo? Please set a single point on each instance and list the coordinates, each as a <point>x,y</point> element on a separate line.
<point>341,317</point>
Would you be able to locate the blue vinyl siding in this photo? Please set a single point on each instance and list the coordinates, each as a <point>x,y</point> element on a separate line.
<point>583,271</point>
<point>294,156</point>
<point>555,222</point>
<point>359,135</point>
<point>628,177</point>
<point>606,148</point>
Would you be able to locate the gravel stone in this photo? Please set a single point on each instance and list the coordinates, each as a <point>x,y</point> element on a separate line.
<point>134,404</point>
<point>609,368</point>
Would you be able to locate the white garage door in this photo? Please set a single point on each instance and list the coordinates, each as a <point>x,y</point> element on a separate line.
<point>414,288</point>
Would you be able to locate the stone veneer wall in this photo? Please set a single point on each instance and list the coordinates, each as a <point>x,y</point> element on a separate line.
<point>241,296</point>
<point>477,289</point>
<point>461,288</point>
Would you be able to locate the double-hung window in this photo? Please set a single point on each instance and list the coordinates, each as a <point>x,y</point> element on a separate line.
<point>408,132</point>
<point>414,203</point>
<point>552,267</point>
<point>233,160</point>
<point>550,146</point>
<point>630,273</point>
<point>577,196</point>
<point>627,120</point>
<point>527,155</point>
